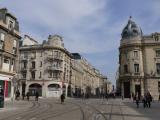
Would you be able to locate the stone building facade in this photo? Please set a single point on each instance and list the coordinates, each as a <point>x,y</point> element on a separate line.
<point>139,59</point>
<point>85,78</point>
<point>51,69</point>
<point>9,42</point>
<point>45,67</point>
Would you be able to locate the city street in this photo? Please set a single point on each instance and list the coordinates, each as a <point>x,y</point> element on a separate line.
<point>78,109</point>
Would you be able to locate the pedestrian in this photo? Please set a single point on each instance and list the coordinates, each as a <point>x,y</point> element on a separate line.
<point>149,99</point>
<point>36,95</point>
<point>28,95</point>
<point>17,94</point>
<point>62,98</point>
<point>107,96</point>
<point>137,100</point>
<point>145,101</point>
<point>82,95</point>
<point>23,95</point>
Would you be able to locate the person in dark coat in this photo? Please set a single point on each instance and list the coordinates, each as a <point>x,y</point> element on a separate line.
<point>17,95</point>
<point>149,99</point>
<point>137,100</point>
<point>36,96</point>
<point>145,101</point>
<point>28,95</point>
<point>62,98</point>
<point>23,95</point>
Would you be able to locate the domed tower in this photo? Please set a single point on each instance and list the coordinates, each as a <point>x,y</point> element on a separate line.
<point>131,30</point>
<point>56,41</point>
<point>130,60</point>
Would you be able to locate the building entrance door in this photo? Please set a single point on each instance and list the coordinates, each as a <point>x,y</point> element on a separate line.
<point>126,89</point>
<point>138,90</point>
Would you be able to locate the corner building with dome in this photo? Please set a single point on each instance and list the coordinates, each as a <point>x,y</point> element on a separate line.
<point>139,62</point>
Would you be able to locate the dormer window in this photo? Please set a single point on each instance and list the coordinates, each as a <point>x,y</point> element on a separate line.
<point>156,38</point>
<point>10,22</point>
<point>10,25</point>
<point>135,54</point>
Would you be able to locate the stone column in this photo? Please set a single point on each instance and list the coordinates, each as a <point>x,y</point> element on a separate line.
<point>132,86</point>
<point>122,89</point>
<point>142,86</point>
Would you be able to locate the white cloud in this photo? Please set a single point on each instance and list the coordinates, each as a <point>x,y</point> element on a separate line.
<point>75,19</point>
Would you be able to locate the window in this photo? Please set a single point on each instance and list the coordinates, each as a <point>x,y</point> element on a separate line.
<point>55,75</point>
<point>6,60</point>
<point>40,63</point>
<point>1,40</point>
<point>126,55</point>
<point>156,38</point>
<point>56,53</point>
<point>125,69</point>
<point>14,50</point>
<point>136,68</point>
<point>25,64</point>
<point>33,75</point>
<point>10,26</point>
<point>33,64</point>
<point>25,55</point>
<point>136,54</point>
<point>50,74</point>
<point>2,36</point>
<point>12,62</point>
<point>157,53</point>
<point>15,43</point>
<point>24,74</point>
<point>158,68</point>
<point>40,74</point>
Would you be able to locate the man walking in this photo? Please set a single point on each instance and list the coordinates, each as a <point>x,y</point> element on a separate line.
<point>28,95</point>
<point>137,100</point>
<point>36,95</point>
<point>62,98</point>
<point>17,95</point>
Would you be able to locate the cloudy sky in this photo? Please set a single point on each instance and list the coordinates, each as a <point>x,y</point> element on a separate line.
<point>90,27</point>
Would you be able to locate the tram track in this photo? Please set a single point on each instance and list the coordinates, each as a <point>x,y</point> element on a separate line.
<point>116,112</point>
<point>19,113</point>
<point>60,112</point>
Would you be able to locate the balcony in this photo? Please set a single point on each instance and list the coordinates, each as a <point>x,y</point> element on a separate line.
<point>33,56</point>
<point>23,69</point>
<point>52,68</point>
<point>51,58</point>
<point>137,73</point>
<point>24,58</point>
<point>32,69</point>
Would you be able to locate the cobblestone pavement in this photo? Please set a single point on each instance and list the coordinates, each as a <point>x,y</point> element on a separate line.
<point>78,109</point>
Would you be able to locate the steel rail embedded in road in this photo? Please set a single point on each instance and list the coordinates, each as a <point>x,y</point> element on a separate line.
<point>19,113</point>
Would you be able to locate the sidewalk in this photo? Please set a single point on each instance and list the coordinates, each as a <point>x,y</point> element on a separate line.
<point>15,104</point>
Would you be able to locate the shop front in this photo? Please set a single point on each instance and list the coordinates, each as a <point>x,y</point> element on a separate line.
<point>5,85</point>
